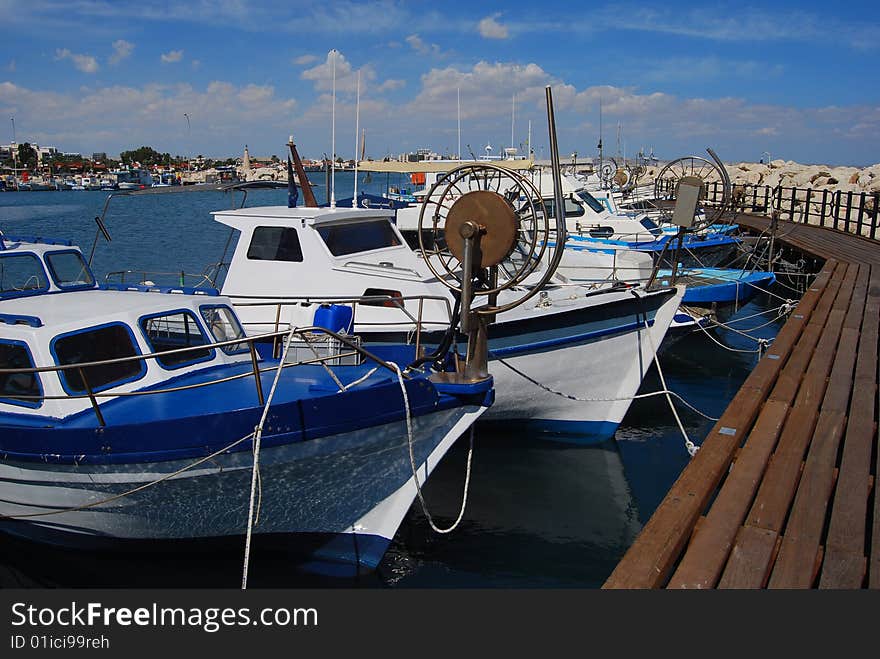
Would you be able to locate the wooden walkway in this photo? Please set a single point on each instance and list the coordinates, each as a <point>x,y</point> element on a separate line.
<point>781,493</point>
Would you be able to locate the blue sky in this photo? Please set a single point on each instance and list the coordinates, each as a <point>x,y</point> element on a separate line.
<point>797,80</point>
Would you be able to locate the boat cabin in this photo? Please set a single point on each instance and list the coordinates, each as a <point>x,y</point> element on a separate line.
<point>54,314</point>
<point>304,255</point>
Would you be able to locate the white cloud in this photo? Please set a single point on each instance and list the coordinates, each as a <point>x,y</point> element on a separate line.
<point>119,117</point>
<point>302,60</point>
<point>196,64</point>
<point>321,76</point>
<point>121,50</point>
<point>421,46</point>
<point>85,63</point>
<point>490,28</point>
<point>390,85</point>
<point>172,56</point>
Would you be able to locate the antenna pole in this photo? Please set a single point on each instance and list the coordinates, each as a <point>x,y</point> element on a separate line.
<point>357,130</point>
<point>512,118</point>
<point>458,102</point>
<point>333,138</point>
<point>529,143</point>
<point>559,203</point>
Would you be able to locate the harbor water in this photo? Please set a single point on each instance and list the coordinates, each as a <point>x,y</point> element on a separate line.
<point>540,513</point>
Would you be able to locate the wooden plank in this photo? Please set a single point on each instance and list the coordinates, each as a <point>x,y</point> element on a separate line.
<point>796,565</point>
<point>843,570</point>
<point>789,379</point>
<point>707,554</point>
<point>840,382</point>
<point>780,480</point>
<point>874,557</point>
<point>750,557</point>
<point>650,559</point>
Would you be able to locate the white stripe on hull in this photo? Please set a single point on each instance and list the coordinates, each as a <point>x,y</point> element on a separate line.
<point>602,369</point>
<point>360,480</point>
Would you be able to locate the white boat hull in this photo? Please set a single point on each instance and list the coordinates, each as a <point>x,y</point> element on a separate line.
<point>345,494</point>
<point>601,373</point>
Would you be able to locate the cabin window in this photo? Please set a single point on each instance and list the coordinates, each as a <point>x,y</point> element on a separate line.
<point>174,331</point>
<point>19,388</point>
<point>651,226</point>
<point>601,232</point>
<point>275,244</point>
<point>224,326</point>
<point>97,344</point>
<point>572,208</point>
<point>22,273</point>
<point>395,299</point>
<point>592,202</point>
<point>342,239</point>
<point>69,270</point>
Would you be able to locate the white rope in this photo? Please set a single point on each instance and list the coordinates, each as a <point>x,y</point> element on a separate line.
<point>412,462</point>
<point>661,392</point>
<point>762,343</point>
<point>255,473</point>
<point>688,444</point>
<point>359,380</point>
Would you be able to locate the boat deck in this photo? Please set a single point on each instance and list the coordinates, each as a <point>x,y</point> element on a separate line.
<point>781,492</point>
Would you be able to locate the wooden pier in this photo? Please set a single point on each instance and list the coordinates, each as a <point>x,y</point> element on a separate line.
<point>781,492</point>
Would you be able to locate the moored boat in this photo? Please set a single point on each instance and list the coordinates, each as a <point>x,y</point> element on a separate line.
<point>135,414</point>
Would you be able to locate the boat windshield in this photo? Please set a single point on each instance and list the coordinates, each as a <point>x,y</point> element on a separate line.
<point>22,273</point>
<point>651,226</point>
<point>69,269</point>
<point>343,239</point>
<point>591,201</point>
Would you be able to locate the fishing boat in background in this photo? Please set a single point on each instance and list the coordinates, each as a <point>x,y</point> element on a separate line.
<point>137,414</point>
<point>595,345</point>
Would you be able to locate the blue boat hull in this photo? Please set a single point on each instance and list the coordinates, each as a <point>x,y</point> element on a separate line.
<point>718,286</point>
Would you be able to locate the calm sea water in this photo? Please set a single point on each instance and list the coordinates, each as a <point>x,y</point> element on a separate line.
<point>540,513</point>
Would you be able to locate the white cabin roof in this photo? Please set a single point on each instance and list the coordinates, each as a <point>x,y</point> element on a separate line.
<point>284,216</point>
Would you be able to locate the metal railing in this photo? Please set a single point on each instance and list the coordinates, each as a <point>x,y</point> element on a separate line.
<point>853,212</point>
<point>412,323</point>
<point>255,371</point>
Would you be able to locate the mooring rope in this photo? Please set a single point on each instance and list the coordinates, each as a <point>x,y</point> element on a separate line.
<point>255,472</point>
<point>412,462</point>
<point>580,399</point>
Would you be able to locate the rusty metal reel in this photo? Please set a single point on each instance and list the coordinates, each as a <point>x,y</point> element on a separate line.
<point>508,212</point>
<point>495,219</point>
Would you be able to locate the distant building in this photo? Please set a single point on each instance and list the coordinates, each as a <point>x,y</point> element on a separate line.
<point>100,156</point>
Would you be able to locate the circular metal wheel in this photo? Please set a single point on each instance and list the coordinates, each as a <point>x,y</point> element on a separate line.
<point>607,172</point>
<point>666,185</point>
<point>514,230</point>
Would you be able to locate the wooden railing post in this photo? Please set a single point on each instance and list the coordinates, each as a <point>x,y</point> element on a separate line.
<point>861,213</point>
<point>807,206</point>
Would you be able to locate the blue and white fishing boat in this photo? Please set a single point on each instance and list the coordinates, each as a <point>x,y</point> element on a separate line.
<point>567,363</point>
<point>133,414</point>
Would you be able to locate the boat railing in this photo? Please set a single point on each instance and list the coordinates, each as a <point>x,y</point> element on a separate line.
<point>306,334</point>
<point>414,323</point>
<point>151,278</point>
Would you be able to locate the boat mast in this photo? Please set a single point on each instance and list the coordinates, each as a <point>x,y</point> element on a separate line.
<point>357,130</point>
<point>512,119</point>
<point>600,139</point>
<point>458,102</point>
<point>333,137</point>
